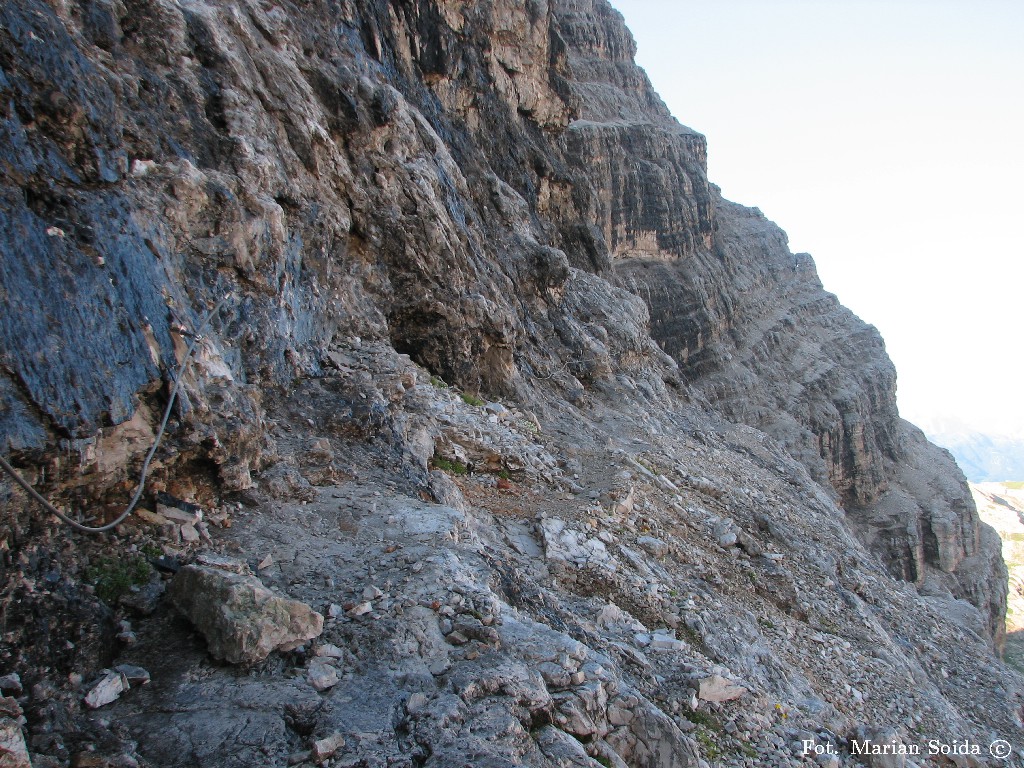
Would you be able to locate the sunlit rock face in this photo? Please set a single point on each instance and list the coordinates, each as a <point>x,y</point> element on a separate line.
<point>648,172</point>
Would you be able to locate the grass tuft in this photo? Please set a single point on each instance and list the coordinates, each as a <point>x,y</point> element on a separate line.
<point>451,467</point>
<point>113,577</point>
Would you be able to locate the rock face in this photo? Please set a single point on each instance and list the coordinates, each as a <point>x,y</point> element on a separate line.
<point>646,173</point>
<point>406,210</point>
<point>242,620</point>
<point>775,351</point>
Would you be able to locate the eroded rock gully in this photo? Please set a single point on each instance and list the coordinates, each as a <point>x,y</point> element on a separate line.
<point>577,462</point>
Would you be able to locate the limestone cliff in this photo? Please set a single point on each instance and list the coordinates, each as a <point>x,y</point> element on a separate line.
<point>751,326</point>
<point>776,351</point>
<point>684,434</point>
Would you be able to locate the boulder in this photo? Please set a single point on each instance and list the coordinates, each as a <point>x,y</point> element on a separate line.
<point>242,620</point>
<point>718,688</point>
<point>653,546</point>
<point>13,751</point>
<point>327,746</point>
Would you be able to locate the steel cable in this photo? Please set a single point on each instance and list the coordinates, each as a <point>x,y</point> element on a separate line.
<point>197,337</point>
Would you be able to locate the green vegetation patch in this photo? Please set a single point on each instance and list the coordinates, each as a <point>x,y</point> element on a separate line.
<point>747,749</point>
<point>707,744</point>
<point>472,400</point>
<point>115,576</point>
<point>451,467</point>
<point>703,719</point>
<point>528,426</point>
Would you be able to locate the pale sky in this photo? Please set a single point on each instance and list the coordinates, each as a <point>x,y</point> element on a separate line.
<point>887,139</point>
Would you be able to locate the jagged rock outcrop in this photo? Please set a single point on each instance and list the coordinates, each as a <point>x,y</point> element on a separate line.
<point>646,173</point>
<point>392,201</point>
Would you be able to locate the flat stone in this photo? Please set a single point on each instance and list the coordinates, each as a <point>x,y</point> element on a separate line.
<point>107,689</point>
<point>359,610</point>
<point>326,747</point>
<point>330,651</point>
<point>717,688</point>
<point>189,534</point>
<point>153,518</point>
<point>176,515</point>
<point>666,643</point>
<point>242,620</point>
<point>322,674</point>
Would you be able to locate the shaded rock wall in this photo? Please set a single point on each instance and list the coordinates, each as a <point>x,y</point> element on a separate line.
<point>340,170</point>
